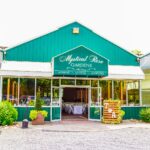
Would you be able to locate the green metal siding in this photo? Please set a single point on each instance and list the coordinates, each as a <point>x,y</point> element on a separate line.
<point>23,113</point>
<point>56,113</point>
<point>42,49</point>
<point>95,113</point>
<point>130,112</point>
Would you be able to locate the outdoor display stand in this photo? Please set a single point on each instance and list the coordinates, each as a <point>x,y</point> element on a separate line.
<point>111,111</point>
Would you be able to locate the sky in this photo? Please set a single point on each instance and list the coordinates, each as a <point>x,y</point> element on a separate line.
<point>124,22</point>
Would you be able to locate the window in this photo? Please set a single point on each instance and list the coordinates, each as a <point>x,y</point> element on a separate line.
<point>106,89</point>
<point>133,92</point>
<point>83,82</point>
<point>27,94</point>
<point>10,90</point>
<point>146,89</point>
<point>120,91</point>
<point>43,90</point>
<point>67,82</point>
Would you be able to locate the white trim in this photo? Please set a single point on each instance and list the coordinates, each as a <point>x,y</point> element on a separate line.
<point>72,49</point>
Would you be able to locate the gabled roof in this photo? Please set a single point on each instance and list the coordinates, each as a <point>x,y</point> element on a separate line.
<point>43,48</point>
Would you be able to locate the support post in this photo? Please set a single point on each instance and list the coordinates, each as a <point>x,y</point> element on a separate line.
<point>127,93</point>
<point>140,92</point>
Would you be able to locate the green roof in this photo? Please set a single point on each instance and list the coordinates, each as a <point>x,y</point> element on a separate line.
<point>43,48</point>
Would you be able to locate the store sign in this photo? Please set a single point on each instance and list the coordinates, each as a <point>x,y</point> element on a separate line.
<point>111,111</point>
<point>80,62</point>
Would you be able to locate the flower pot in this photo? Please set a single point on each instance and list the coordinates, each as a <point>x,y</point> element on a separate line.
<point>39,120</point>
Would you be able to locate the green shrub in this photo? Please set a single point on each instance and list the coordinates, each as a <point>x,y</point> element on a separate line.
<point>8,114</point>
<point>145,114</point>
<point>38,104</point>
<point>122,113</point>
<point>34,113</point>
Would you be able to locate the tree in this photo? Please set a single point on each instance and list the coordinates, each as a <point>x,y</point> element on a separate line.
<point>137,52</point>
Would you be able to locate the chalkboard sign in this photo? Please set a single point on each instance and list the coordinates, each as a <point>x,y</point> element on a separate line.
<point>80,61</point>
<point>111,111</point>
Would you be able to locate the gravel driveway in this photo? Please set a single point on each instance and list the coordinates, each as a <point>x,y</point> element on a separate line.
<point>76,136</point>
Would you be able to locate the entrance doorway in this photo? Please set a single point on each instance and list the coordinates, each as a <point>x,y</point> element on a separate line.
<point>75,103</point>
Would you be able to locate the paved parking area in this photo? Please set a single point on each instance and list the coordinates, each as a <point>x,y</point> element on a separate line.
<point>77,135</point>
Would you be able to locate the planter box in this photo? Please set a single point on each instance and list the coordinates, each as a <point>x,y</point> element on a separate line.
<point>39,120</point>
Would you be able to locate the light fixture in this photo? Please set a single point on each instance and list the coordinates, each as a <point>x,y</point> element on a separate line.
<point>75,30</point>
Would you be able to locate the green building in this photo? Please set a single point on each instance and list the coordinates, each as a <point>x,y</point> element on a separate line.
<point>73,69</point>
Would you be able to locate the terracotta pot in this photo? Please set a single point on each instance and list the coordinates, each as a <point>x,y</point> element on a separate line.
<point>39,120</point>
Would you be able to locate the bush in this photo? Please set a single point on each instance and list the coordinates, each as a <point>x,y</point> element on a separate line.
<point>34,113</point>
<point>145,114</point>
<point>8,114</point>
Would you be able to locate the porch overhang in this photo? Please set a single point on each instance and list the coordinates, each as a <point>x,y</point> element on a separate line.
<point>42,69</point>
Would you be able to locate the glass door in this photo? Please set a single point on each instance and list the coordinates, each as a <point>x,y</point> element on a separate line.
<point>56,97</point>
<point>95,108</point>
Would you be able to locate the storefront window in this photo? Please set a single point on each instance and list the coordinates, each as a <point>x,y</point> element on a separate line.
<point>146,89</point>
<point>55,94</point>
<point>55,82</point>
<point>94,96</point>
<point>94,83</point>
<point>43,89</point>
<point>106,89</point>
<point>10,90</point>
<point>27,87</point>
<point>120,91</point>
<point>133,93</point>
<point>67,82</point>
<point>83,82</point>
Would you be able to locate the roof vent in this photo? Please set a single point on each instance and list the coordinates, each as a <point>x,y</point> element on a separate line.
<point>75,30</point>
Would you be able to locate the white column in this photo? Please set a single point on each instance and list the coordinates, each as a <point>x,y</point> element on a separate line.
<point>1,87</point>
<point>140,92</point>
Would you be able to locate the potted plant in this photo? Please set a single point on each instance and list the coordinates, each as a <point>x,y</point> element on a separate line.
<point>38,115</point>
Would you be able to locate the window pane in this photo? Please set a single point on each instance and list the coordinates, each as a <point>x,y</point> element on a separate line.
<point>94,83</point>
<point>55,100</point>
<point>133,93</point>
<point>67,82</point>
<point>146,97</point>
<point>27,87</point>
<point>120,91</point>
<point>83,82</point>
<point>55,82</point>
<point>44,90</point>
<point>106,89</point>
<point>10,90</point>
<point>94,96</point>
